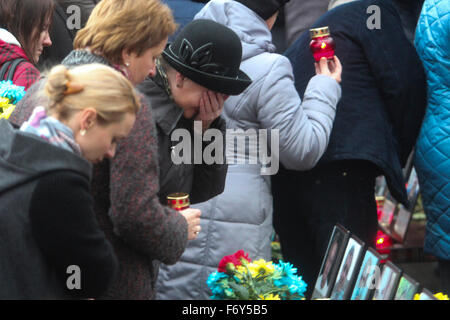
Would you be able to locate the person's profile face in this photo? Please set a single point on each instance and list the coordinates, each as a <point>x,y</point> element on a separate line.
<point>42,40</point>
<point>141,66</point>
<point>100,141</point>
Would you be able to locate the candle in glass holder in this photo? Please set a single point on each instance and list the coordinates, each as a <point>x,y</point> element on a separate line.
<point>178,201</point>
<point>322,44</point>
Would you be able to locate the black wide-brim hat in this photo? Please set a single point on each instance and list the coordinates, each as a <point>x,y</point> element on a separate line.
<point>209,54</point>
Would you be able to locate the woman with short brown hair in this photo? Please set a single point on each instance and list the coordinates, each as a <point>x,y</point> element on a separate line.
<point>121,31</point>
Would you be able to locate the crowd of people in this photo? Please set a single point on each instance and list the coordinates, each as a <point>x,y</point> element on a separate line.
<point>87,156</point>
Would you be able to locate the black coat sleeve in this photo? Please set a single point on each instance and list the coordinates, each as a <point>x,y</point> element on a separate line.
<point>64,226</point>
<point>209,178</point>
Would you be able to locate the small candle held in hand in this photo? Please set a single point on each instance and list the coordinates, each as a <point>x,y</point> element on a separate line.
<point>322,44</point>
<point>178,201</point>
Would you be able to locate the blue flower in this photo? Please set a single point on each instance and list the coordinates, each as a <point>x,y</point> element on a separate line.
<point>214,284</point>
<point>215,276</point>
<point>297,285</point>
<point>12,92</point>
<point>286,268</point>
<point>290,279</point>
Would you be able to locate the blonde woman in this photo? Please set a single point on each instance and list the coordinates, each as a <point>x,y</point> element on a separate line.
<point>129,35</point>
<point>51,244</point>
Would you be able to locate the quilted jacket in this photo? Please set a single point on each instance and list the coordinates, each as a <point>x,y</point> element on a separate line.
<point>432,157</point>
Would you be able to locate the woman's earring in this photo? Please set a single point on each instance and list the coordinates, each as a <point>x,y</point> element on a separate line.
<point>127,64</point>
<point>83,132</point>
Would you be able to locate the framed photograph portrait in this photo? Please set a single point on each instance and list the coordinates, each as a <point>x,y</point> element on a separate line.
<point>348,270</point>
<point>407,288</point>
<point>381,186</point>
<point>331,262</point>
<point>387,213</point>
<point>368,274</point>
<point>387,285</point>
<point>412,189</point>
<point>398,226</point>
<point>401,223</point>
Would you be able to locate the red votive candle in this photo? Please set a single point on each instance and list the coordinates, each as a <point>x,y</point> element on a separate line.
<point>178,201</point>
<point>322,44</point>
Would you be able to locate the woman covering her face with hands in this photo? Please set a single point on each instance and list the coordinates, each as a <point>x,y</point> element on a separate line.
<point>194,77</point>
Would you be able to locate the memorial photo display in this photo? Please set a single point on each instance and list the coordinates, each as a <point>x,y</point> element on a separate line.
<point>386,288</point>
<point>368,275</point>
<point>394,218</point>
<point>348,270</point>
<point>412,190</point>
<point>407,288</point>
<point>353,271</point>
<point>331,262</point>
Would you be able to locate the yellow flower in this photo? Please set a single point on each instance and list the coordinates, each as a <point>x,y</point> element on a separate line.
<point>4,102</point>
<point>269,297</point>
<point>441,296</point>
<point>261,267</point>
<point>6,107</point>
<point>241,269</point>
<point>240,272</point>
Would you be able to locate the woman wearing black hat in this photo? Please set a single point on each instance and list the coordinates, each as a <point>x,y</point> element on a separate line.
<point>241,216</point>
<point>195,75</point>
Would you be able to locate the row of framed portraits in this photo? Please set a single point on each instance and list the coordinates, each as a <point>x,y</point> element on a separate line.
<point>350,271</point>
<point>394,218</point>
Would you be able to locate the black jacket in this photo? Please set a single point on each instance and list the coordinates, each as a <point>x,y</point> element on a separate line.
<point>47,222</point>
<point>383,88</point>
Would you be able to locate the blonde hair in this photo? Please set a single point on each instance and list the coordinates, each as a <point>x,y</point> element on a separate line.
<point>90,86</point>
<point>134,25</point>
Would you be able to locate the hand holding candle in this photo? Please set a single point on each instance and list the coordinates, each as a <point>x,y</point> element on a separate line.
<point>322,47</point>
<point>331,68</point>
<point>180,201</point>
<point>192,217</point>
<point>322,44</point>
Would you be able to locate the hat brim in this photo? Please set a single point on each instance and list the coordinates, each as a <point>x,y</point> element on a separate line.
<point>222,84</point>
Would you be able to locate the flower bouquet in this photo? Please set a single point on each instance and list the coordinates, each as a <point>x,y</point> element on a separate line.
<point>10,94</point>
<point>239,278</point>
